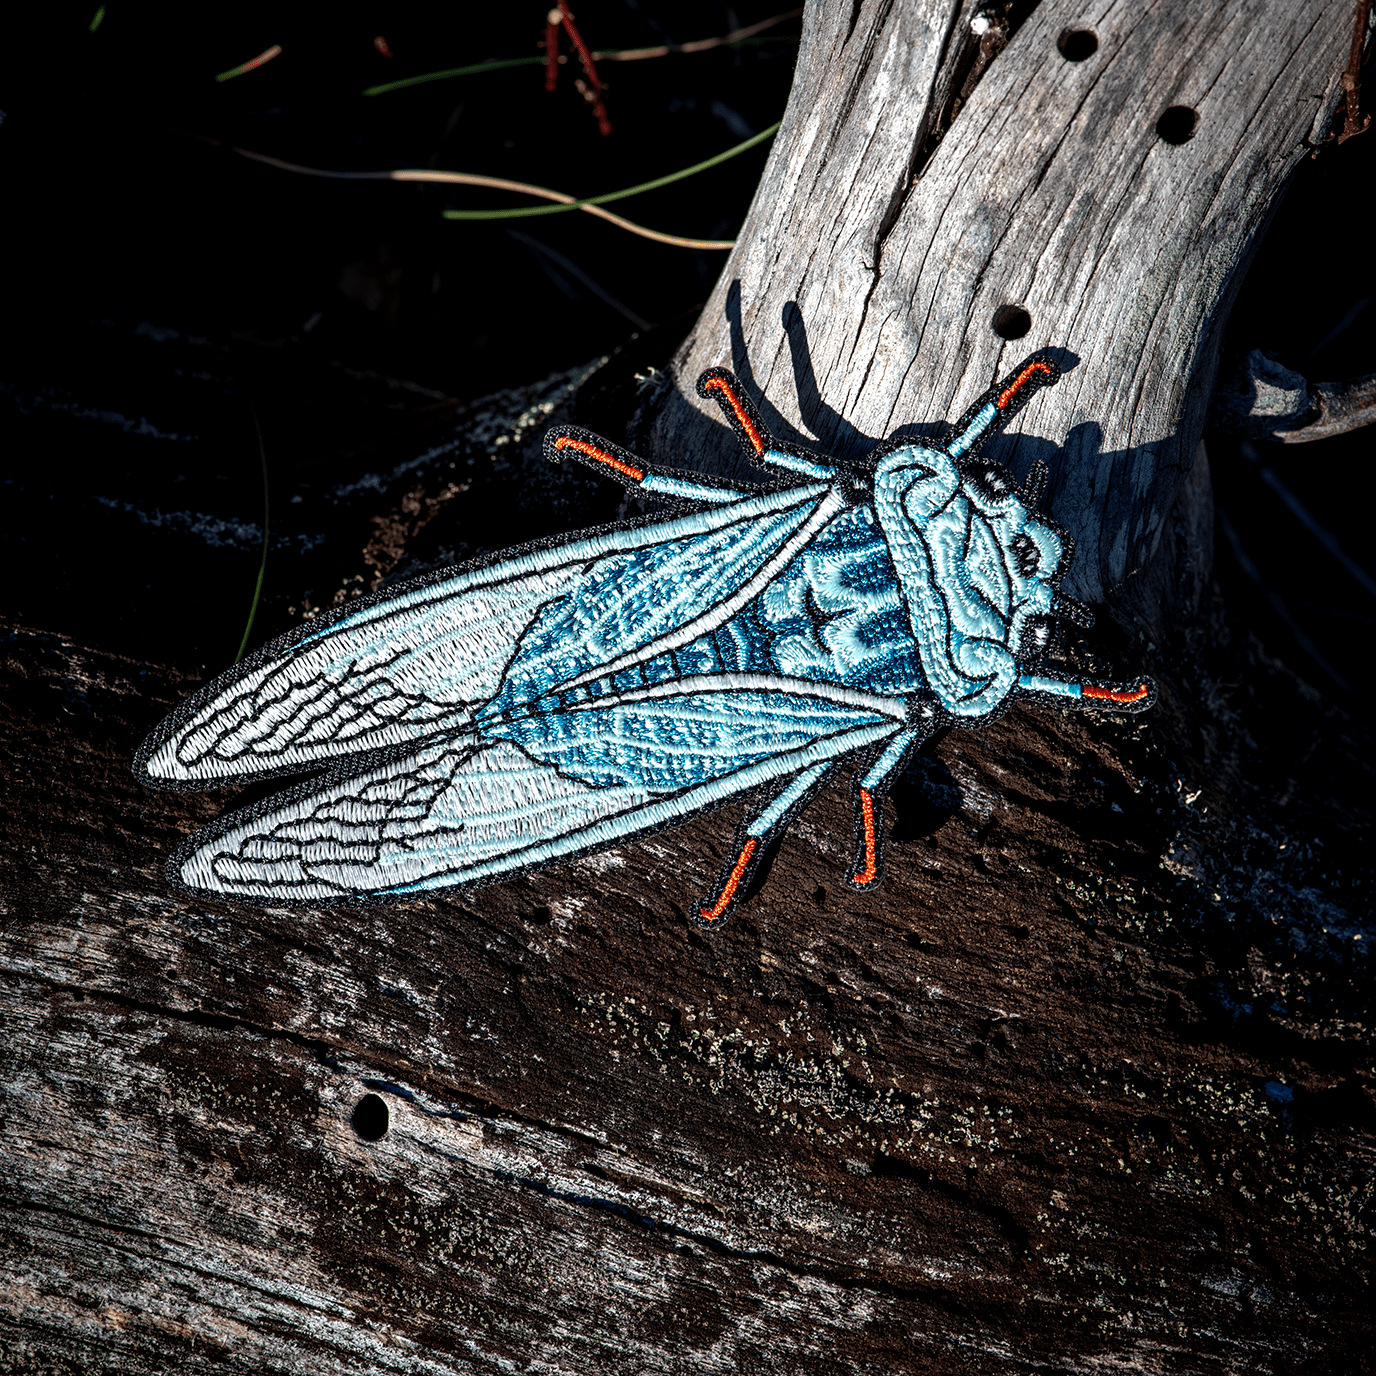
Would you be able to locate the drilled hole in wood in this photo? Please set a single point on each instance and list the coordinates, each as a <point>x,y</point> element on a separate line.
<point>370,1118</point>
<point>1077,44</point>
<point>1011,322</point>
<point>1177,125</point>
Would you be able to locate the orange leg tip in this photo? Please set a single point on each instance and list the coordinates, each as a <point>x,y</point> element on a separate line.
<point>867,829</point>
<point>1020,382</point>
<point>1114,694</point>
<point>601,456</point>
<point>733,883</point>
<point>738,407</point>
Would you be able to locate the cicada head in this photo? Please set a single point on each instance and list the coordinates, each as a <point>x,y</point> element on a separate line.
<point>978,570</point>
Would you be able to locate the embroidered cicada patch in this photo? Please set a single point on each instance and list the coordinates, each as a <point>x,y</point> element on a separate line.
<point>567,697</point>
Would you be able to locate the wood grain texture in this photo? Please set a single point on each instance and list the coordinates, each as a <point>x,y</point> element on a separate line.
<point>862,290</point>
<point>1023,1109</point>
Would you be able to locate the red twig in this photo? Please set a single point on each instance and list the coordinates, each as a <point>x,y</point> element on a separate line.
<point>1352,77</point>
<point>552,21</point>
<point>562,17</point>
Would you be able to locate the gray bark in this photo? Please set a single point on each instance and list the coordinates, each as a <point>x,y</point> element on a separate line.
<point>862,292</point>
<point>1268,401</point>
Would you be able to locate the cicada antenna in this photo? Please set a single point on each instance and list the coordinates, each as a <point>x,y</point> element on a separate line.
<point>720,385</point>
<point>1002,402</point>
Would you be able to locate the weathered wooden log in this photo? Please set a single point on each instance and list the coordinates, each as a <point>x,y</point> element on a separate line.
<point>1100,191</point>
<point>1063,1095</point>
<point>1088,1086</point>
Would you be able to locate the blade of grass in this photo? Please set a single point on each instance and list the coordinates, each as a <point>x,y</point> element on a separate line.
<point>738,38</point>
<point>523,212</point>
<point>473,69</point>
<point>265,56</point>
<point>591,206</point>
<point>263,561</point>
<point>541,250</point>
<point>1325,537</point>
<point>1278,604</point>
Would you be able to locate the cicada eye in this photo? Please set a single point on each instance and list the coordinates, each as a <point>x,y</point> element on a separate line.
<point>1027,555</point>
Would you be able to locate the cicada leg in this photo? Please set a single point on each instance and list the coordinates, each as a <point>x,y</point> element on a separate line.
<point>1000,404</point>
<point>869,804</point>
<point>720,385</point>
<point>1134,696</point>
<point>754,839</point>
<point>614,462</point>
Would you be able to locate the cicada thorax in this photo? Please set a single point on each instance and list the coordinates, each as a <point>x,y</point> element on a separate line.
<point>977,568</point>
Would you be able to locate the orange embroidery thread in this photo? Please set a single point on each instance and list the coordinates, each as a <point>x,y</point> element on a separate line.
<point>742,414</point>
<point>1019,382</point>
<point>1113,695</point>
<point>871,870</point>
<point>601,455</point>
<point>732,884</point>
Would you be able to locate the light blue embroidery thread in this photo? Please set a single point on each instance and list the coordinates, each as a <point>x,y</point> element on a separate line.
<point>574,695</point>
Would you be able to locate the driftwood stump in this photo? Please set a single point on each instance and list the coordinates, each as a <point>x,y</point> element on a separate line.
<point>1087,1087</point>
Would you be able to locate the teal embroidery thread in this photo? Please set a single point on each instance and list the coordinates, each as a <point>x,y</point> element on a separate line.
<point>572,695</point>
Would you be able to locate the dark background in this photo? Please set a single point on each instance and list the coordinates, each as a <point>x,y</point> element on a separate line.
<point>161,290</point>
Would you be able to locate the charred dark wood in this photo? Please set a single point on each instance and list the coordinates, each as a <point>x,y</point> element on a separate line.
<point>1090,1081</point>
